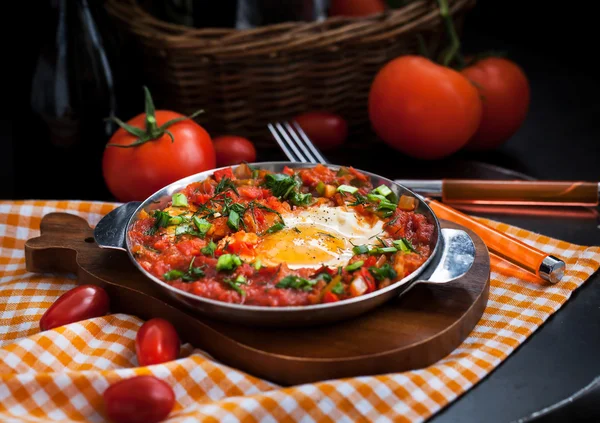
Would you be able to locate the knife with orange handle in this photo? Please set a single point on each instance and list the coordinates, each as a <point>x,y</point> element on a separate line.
<point>534,261</point>
<point>507,192</point>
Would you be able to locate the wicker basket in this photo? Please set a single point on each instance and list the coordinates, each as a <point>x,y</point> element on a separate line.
<point>244,79</point>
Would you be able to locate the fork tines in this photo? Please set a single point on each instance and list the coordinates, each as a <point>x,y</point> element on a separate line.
<point>295,143</point>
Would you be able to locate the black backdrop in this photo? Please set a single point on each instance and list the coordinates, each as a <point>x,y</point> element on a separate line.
<point>554,42</point>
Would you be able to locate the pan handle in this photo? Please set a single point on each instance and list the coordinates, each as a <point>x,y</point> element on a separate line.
<point>111,231</point>
<point>454,260</point>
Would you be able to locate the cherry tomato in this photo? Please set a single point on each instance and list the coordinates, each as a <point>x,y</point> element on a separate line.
<point>80,303</point>
<point>423,109</point>
<point>156,342</point>
<point>139,399</point>
<point>142,158</point>
<point>326,130</point>
<point>356,7</point>
<point>232,150</point>
<point>505,94</point>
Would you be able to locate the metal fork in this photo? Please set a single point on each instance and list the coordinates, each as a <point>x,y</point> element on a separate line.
<point>295,143</point>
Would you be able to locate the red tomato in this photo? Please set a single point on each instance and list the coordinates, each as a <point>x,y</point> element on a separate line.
<point>156,342</point>
<point>325,129</point>
<point>133,173</point>
<point>423,109</point>
<point>80,303</point>
<point>356,7</point>
<point>505,95</point>
<point>232,150</point>
<point>139,399</point>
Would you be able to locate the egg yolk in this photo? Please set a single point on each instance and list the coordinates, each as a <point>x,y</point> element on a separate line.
<point>306,246</point>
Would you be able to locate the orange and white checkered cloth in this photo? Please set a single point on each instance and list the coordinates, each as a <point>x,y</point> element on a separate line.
<point>61,374</point>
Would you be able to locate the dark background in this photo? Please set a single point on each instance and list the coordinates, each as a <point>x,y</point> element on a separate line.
<point>556,44</point>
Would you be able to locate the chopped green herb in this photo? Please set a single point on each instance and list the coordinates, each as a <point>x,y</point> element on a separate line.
<point>193,273</point>
<point>404,245</point>
<point>203,225</point>
<point>280,184</point>
<point>176,220</point>
<point>225,184</point>
<point>354,266</point>
<point>296,230</point>
<point>325,276</point>
<point>383,272</point>
<point>382,250</point>
<point>186,228</point>
<point>173,274</point>
<point>342,171</point>
<point>383,190</point>
<point>328,235</point>
<point>286,187</point>
<point>235,284</point>
<point>296,282</point>
<point>347,188</point>
<point>209,250</point>
<point>228,262</point>
<point>276,227</point>
<point>234,220</point>
<point>359,199</point>
<point>257,264</point>
<point>300,199</point>
<point>338,288</point>
<point>360,249</point>
<point>162,221</point>
<point>179,200</point>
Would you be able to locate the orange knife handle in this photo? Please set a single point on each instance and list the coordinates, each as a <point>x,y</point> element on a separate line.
<point>523,255</point>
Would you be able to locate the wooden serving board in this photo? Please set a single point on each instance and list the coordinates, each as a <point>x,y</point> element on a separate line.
<point>412,331</point>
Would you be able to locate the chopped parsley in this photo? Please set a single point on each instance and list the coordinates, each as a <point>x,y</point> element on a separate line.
<point>286,187</point>
<point>296,282</point>
<point>210,249</point>
<point>383,272</point>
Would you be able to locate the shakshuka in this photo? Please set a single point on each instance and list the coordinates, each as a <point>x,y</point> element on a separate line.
<point>299,237</point>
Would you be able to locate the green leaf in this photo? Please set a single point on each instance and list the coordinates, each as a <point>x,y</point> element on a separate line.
<point>276,227</point>
<point>210,249</point>
<point>383,272</point>
<point>296,282</point>
<point>280,184</point>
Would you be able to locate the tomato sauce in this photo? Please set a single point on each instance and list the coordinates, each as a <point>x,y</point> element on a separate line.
<point>204,241</point>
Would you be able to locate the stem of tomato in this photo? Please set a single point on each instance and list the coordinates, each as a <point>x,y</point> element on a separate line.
<point>454,51</point>
<point>152,131</point>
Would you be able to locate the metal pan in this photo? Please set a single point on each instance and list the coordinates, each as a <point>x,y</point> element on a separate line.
<point>452,256</point>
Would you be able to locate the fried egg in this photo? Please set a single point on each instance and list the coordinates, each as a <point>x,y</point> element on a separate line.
<point>317,236</point>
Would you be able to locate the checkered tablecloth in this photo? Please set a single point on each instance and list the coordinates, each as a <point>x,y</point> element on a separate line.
<point>60,375</point>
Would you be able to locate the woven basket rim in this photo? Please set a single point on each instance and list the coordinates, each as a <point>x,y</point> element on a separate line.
<point>331,31</point>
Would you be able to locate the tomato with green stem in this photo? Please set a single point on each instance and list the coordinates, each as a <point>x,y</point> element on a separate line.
<point>154,149</point>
